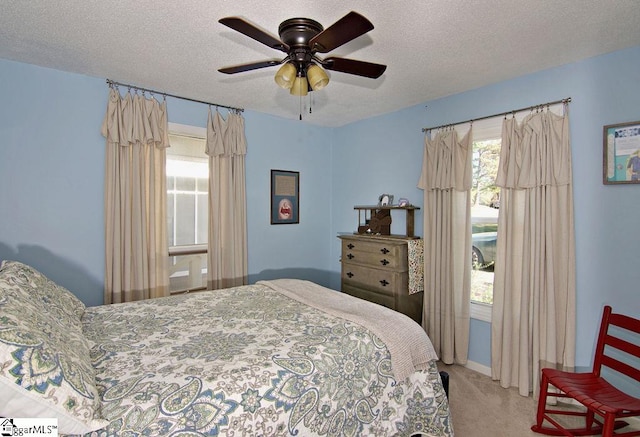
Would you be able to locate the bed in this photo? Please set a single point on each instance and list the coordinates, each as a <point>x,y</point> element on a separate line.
<point>276,358</point>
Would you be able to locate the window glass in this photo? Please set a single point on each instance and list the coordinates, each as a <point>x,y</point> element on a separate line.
<point>170,209</point>
<point>485,200</point>
<point>187,191</point>
<point>185,219</point>
<point>186,184</point>
<point>187,208</point>
<point>485,206</point>
<point>202,184</point>
<point>202,219</point>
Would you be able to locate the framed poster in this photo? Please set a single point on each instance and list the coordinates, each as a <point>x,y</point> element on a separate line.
<point>385,200</point>
<point>285,197</point>
<point>621,161</point>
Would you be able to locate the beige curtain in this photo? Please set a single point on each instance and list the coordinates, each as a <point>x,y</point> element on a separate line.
<point>533,318</point>
<point>446,181</point>
<point>227,147</point>
<point>136,259</point>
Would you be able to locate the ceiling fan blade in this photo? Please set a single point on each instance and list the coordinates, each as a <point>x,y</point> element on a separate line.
<point>341,32</point>
<point>252,31</point>
<point>351,66</point>
<point>248,67</point>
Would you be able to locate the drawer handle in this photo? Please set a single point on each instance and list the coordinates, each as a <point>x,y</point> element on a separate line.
<point>351,256</point>
<point>384,250</point>
<point>384,262</point>
<point>384,282</point>
<point>350,246</point>
<point>349,274</point>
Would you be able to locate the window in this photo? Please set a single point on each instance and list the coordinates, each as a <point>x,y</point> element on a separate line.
<point>187,208</point>
<point>485,201</point>
<point>485,198</point>
<point>487,134</point>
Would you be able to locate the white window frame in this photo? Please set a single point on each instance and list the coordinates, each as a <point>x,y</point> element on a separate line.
<point>480,311</point>
<point>188,130</point>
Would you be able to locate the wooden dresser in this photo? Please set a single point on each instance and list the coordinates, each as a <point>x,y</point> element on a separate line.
<point>376,268</point>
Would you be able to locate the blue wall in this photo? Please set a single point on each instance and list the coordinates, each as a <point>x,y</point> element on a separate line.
<point>52,175</point>
<point>52,158</point>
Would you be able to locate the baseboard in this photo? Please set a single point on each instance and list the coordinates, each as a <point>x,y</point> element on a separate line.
<point>477,367</point>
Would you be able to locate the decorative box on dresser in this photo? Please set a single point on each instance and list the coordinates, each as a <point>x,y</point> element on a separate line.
<point>377,268</point>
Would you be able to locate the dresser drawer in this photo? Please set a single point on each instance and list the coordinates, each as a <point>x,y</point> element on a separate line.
<point>373,259</point>
<point>383,254</point>
<point>380,247</point>
<point>381,281</point>
<point>362,293</point>
<point>409,305</point>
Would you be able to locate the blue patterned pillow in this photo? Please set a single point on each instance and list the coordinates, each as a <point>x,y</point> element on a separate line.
<point>45,366</point>
<point>56,298</point>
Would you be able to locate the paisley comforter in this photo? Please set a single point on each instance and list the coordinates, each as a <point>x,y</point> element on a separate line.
<point>252,361</point>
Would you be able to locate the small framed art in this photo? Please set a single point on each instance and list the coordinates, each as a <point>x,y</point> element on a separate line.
<point>621,160</point>
<point>385,200</point>
<point>285,197</point>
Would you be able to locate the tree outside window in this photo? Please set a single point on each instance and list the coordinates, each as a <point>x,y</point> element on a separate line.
<point>485,198</point>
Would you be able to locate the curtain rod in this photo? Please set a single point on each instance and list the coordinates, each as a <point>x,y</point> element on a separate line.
<point>528,108</point>
<point>114,83</point>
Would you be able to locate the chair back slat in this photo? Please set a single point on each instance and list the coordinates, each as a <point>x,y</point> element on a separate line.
<point>626,322</point>
<point>609,342</point>
<point>621,367</point>
<point>623,345</point>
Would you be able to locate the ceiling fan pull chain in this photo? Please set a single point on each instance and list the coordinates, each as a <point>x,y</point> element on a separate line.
<point>300,108</point>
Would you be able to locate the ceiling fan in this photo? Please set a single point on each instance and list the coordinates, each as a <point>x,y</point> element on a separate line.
<point>301,39</point>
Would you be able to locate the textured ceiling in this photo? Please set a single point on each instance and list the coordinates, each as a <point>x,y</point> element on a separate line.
<point>433,48</point>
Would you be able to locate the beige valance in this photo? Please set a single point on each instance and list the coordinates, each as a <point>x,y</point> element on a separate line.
<point>535,152</point>
<point>225,138</point>
<point>135,119</point>
<point>447,162</point>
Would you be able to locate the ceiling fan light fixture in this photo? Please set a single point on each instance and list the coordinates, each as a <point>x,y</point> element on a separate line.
<point>302,71</point>
<point>317,77</point>
<point>300,86</point>
<point>286,75</point>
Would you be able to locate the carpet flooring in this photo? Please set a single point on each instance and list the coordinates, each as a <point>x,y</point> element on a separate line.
<point>480,407</point>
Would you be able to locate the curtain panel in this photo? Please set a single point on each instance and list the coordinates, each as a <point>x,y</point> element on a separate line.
<point>533,315</point>
<point>446,180</point>
<point>136,133</point>
<point>227,256</point>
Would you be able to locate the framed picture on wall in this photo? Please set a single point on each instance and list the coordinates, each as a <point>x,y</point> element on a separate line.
<point>621,144</point>
<point>385,200</point>
<point>285,197</point>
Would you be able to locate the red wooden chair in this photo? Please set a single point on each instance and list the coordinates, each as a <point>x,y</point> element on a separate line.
<point>604,403</point>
